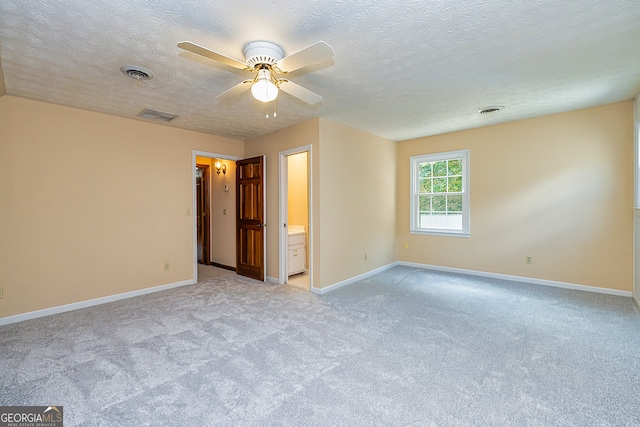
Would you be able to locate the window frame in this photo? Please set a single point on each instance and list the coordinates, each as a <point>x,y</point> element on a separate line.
<point>415,195</point>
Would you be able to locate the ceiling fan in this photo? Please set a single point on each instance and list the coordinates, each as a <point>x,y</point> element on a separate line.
<point>267,60</point>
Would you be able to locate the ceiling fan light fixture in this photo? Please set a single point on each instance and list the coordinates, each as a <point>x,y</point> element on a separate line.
<point>264,89</point>
<point>263,59</point>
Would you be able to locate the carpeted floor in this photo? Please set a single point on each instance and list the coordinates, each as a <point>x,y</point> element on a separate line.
<point>209,272</point>
<point>406,347</point>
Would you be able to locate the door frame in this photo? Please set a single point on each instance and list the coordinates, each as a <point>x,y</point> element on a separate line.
<point>192,212</point>
<point>283,205</point>
<point>635,294</point>
<point>206,218</point>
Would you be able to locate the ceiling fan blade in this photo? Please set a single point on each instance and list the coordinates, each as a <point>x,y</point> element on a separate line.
<point>299,92</point>
<point>235,91</point>
<point>317,52</point>
<point>203,51</point>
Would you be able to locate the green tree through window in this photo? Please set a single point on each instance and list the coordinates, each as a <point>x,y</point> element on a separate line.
<point>439,202</point>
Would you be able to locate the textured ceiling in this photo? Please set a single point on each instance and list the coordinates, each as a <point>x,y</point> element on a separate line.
<point>402,69</point>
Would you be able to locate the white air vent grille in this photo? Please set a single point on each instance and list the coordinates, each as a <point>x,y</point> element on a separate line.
<point>491,110</point>
<point>137,73</point>
<point>161,116</point>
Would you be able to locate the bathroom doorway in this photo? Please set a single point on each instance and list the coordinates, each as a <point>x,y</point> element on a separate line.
<point>295,217</point>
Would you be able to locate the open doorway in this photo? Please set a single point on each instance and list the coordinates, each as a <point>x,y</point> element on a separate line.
<point>214,208</point>
<point>295,217</point>
<point>203,209</point>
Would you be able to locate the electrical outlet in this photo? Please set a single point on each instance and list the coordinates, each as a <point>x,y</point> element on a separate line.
<point>166,265</point>
<point>365,256</point>
<point>528,260</point>
<point>188,212</point>
<point>224,211</point>
<point>406,245</point>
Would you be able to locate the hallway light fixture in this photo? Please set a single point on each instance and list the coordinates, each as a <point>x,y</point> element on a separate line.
<point>220,167</point>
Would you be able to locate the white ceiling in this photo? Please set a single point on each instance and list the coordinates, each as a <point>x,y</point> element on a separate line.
<point>402,69</point>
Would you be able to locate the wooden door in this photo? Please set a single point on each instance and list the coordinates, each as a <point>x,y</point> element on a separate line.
<point>250,232</point>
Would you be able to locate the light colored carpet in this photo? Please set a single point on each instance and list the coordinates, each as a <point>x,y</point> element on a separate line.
<point>210,272</point>
<point>402,348</point>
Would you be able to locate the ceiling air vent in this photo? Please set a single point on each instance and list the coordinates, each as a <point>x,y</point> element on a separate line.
<point>490,110</point>
<point>137,73</point>
<point>160,116</point>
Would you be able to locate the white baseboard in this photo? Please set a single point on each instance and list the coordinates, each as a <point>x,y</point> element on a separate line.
<point>88,303</point>
<point>531,280</point>
<point>321,291</point>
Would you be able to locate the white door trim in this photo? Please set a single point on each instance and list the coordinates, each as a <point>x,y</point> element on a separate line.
<point>283,211</point>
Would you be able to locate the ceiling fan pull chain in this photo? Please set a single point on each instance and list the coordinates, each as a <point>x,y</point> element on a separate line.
<point>274,110</point>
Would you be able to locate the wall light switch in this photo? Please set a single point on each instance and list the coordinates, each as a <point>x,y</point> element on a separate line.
<point>188,212</point>
<point>226,187</point>
<point>1,292</point>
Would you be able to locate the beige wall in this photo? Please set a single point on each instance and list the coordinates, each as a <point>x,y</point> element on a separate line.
<point>298,211</point>
<point>357,199</point>
<point>271,145</point>
<point>223,226</point>
<point>557,188</point>
<point>92,204</point>
<point>298,194</point>
<point>353,202</point>
<point>636,279</point>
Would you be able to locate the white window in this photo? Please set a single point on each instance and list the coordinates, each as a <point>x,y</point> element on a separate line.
<point>440,193</point>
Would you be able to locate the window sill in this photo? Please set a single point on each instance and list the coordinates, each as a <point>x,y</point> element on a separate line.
<point>448,233</point>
